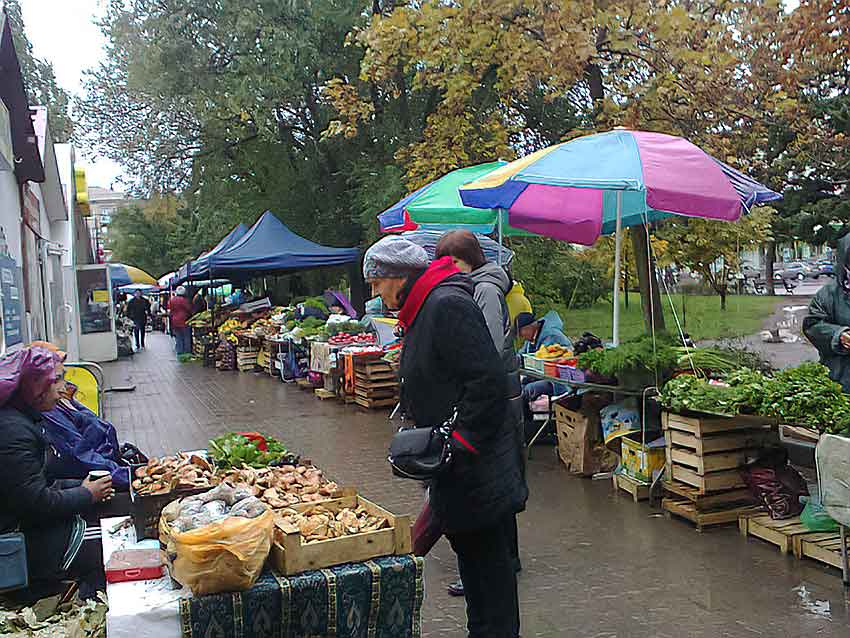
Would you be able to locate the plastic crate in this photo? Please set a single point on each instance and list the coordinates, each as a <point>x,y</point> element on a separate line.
<point>571,373</point>
<point>532,363</point>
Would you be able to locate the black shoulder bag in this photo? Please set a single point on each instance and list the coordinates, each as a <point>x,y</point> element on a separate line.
<point>422,453</point>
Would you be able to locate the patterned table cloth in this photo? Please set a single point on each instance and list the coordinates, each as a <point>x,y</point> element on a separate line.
<point>380,598</point>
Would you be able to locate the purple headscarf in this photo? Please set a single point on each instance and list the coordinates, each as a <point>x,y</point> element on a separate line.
<point>28,373</point>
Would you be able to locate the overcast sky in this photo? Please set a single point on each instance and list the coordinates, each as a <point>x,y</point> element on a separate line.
<point>63,32</point>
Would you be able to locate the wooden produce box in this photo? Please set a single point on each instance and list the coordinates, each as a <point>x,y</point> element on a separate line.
<point>375,383</point>
<point>707,453</point>
<point>688,510</point>
<point>290,555</point>
<point>638,489</point>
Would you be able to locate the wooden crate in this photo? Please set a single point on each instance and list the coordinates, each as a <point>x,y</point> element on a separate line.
<point>323,394</point>
<point>708,502</point>
<point>372,404</point>
<point>713,482</point>
<point>824,547</point>
<point>638,490</point>
<point>687,509</point>
<point>778,532</point>
<point>705,464</point>
<point>747,439</point>
<point>290,555</point>
<point>700,426</point>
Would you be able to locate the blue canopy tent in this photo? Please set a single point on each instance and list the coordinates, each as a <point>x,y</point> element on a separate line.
<point>199,268</point>
<point>270,247</point>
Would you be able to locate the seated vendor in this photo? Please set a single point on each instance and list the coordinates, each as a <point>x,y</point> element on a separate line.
<point>48,513</point>
<point>537,333</point>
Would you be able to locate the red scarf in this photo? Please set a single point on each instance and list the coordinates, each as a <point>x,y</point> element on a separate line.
<point>439,270</point>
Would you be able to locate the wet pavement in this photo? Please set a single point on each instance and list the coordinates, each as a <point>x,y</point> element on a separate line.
<point>595,564</point>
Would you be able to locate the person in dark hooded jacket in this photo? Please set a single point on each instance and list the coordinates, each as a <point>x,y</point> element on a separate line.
<point>827,324</point>
<point>491,286</point>
<point>448,363</point>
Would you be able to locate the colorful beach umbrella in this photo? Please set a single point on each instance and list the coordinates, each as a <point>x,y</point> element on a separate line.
<point>437,206</point>
<point>575,191</point>
<point>124,275</point>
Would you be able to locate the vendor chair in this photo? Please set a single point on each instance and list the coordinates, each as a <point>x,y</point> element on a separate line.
<point>545,416</point>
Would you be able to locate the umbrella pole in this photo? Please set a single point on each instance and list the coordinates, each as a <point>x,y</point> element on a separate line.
<point>499,224</point>
<point>618,243</point>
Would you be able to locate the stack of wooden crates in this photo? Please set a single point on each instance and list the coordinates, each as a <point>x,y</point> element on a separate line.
<point>375,383</point>
<point>246,356</point>
<point>705,456</point>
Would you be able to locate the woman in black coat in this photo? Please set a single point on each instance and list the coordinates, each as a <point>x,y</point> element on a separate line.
<point>449,362</point>
<point>491,284</point>
<point>48,513</point>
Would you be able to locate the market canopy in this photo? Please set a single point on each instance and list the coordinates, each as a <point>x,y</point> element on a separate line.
<point>270,247</point>
<point>575,191</point>
<point>199,268</point>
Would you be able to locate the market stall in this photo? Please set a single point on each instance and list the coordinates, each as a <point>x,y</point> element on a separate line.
<point>249,536</point>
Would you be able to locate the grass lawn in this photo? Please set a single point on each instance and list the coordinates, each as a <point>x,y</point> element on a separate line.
<point>702,317</point>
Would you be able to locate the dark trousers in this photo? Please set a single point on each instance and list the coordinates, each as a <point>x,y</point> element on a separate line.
<point>489,581</point>
<point>139,333</point>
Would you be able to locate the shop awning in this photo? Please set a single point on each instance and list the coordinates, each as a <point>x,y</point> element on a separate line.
<point>28,166</point>
<point>270,247</point>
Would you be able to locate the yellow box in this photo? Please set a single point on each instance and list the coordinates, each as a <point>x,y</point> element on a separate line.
<point>641,461</point>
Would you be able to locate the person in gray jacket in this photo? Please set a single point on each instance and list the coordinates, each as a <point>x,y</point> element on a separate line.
<point>827,324</point>
<point>491,285</point>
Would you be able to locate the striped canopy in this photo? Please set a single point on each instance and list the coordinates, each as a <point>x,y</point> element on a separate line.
<point>570,191</point>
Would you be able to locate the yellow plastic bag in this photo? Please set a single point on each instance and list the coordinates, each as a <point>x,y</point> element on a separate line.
<point>227,555</point>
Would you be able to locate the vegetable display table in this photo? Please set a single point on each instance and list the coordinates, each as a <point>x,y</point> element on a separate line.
<point>381,597</point>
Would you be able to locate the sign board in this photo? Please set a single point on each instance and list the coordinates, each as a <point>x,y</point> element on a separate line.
<point>10,288</point>
<point>100,296</point>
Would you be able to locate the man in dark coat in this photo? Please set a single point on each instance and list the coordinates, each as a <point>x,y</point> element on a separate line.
<point>448,363</point>
<point>827,325</point>
<point>138,310</point>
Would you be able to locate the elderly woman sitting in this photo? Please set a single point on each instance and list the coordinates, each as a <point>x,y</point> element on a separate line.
<point>48,514</point>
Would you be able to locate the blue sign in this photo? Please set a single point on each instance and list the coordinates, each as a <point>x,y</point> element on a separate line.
<point>10,287</point>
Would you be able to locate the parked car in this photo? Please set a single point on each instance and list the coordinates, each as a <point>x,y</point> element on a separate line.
<point>826,267</point>
<point>794,270</point>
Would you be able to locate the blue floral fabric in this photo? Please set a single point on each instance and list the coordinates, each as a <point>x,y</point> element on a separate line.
<point>380,598</point>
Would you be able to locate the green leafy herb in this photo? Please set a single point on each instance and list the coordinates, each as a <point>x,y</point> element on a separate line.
<point>235,450</point>
<point>638,356</point>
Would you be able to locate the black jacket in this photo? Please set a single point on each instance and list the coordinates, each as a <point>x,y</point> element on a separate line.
<point>138,309</point>
<point>449,361</point>
<point>28,502</point>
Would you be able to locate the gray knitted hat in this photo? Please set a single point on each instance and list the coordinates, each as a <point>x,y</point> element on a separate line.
<point>393,256</point>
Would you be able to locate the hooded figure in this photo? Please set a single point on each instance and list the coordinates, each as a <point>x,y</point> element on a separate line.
<point>827,325</point>
<point>550,331</point>
<point>47,512</point>
<point>491,286</point>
